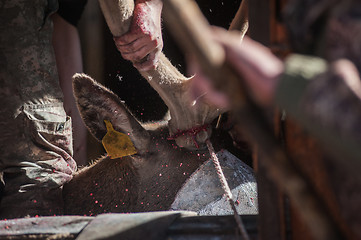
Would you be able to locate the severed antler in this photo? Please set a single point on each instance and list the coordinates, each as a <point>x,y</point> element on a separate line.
<point>171,85</point>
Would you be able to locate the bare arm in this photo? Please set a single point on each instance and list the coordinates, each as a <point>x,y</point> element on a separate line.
<point>254,63</point>
<point>323,97</point>
<point>68,59</point>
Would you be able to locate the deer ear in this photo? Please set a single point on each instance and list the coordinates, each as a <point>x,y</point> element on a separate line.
<point>96,104</point>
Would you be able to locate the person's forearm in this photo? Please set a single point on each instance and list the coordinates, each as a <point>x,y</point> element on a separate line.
<point>67,50</point>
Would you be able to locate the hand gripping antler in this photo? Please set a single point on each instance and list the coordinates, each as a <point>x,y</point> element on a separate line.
<point>171,85</point>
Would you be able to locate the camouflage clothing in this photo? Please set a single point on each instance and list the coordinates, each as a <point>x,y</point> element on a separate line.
<point>35,133</point>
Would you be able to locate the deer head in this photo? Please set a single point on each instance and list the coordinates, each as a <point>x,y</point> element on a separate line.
<point>129,183</point>
<point>171,85</point>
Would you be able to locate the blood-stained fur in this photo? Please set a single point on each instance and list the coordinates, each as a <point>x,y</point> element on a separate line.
<point>146,181</point>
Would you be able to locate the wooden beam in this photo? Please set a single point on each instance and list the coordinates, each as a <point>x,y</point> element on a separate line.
<point>194,35</point>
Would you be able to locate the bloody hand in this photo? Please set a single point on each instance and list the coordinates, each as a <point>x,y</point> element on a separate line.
<point>143,43</point>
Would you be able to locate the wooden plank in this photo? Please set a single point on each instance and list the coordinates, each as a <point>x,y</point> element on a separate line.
<point>212,227</point>
<point>150,225</point>
<point>62,227</point>
<point>269,199</point>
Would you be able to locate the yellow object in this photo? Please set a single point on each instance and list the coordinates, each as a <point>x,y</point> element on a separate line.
<point>117,144</point>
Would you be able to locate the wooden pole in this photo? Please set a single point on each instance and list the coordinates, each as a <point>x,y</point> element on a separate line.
<point>191,29</point>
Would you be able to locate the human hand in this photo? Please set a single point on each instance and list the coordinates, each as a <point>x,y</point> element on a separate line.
<point>143,43</point>
<point>254,63</point>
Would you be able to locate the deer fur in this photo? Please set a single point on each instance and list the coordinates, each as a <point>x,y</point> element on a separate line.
<point>150,179</point>
<point>146,181</point>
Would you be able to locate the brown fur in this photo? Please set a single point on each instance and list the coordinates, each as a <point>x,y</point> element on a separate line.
<point>150,179</point>
<point>146,181</point>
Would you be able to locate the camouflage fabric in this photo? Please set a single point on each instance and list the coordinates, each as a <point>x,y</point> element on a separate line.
<point>35,133</point>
